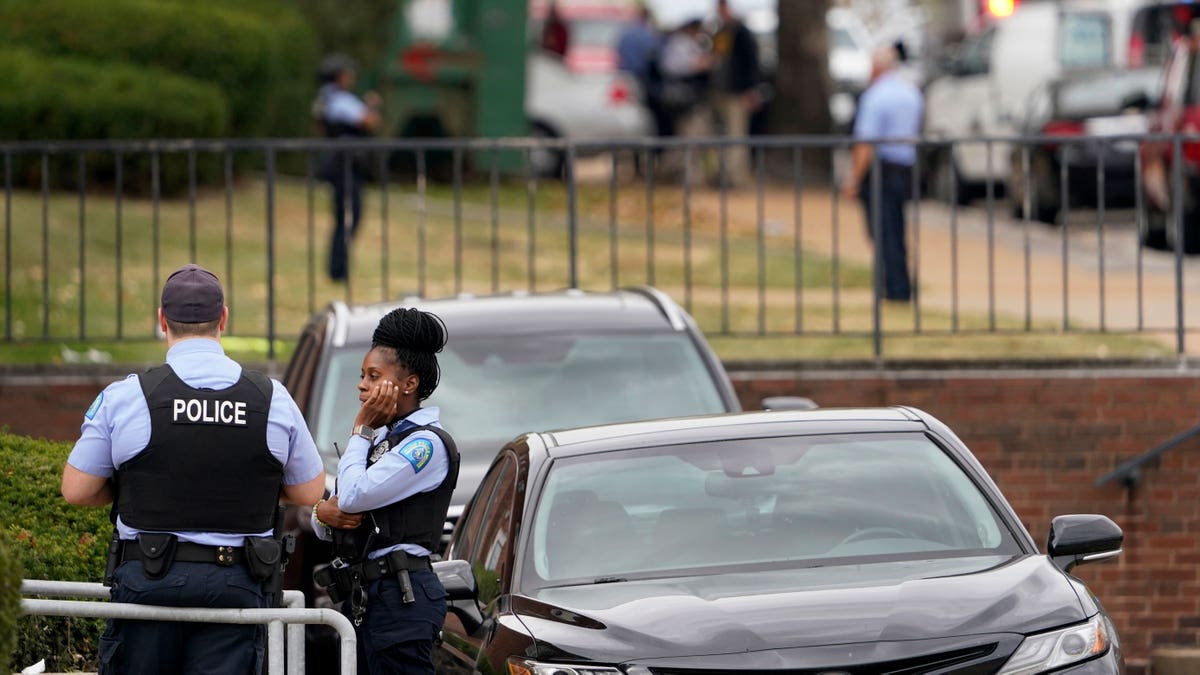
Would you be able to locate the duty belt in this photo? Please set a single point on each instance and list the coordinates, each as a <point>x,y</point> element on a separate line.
<point>186,551</point>
<point>391,564</point>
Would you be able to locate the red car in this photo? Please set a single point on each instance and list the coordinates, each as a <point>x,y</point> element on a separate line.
<point>1177,112</point>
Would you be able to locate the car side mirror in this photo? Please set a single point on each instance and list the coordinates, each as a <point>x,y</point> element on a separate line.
<point>1083,538</point>
<point>788,403</point>
<point>461,592</point>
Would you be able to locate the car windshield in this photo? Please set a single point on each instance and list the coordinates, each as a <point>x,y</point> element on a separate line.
<point>1085,41</point>
<point>494,388</point>
<point>757,504</point>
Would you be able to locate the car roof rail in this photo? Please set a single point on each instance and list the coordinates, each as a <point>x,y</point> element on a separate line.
<point>669,308</point>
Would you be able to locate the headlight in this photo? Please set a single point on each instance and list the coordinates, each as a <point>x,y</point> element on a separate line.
<point>518,666</point>
<point>1050,651</point>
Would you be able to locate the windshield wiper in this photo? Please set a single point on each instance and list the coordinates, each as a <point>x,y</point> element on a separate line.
<point>608,580</point>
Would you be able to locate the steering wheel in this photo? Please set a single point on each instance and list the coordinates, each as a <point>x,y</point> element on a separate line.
<point>876,532</point>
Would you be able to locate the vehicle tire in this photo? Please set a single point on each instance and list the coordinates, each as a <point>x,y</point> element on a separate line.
<point>943,177</point>
<point>1152,230</point>
<point>1047,190</point>
<point>1191,229</point>
<point>545,162</point>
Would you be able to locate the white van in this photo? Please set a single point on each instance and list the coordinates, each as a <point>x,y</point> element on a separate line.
<point>992,74</point>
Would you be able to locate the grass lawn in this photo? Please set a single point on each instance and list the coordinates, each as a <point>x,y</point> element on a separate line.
<point>85,273</point>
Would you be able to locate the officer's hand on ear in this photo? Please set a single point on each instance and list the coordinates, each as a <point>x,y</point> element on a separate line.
<point>381,405</point>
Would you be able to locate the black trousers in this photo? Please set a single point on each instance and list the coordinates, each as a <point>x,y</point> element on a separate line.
<point>895,189</point>
<point>347,211</point>
<point>131,647</point>
<point>395,637</point>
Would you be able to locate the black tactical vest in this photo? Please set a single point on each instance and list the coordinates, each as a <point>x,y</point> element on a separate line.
<point>417,519</point>
<point>207,467</point>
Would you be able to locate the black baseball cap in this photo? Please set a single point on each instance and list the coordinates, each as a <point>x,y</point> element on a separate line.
<point>192,294</point>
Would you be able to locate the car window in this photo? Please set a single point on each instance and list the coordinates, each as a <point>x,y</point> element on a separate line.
<point>1085,40</point>
<point>494,388</point>
<point>303,364</point>
<point>490,550</point>
<point>800,501</point>
<point>1156,28</point>
<point>467,533</point>
<point>1192,88</point>
<point>977,54</point>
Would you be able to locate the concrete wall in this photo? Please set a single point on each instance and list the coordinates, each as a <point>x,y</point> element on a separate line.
<point>1045,435</point>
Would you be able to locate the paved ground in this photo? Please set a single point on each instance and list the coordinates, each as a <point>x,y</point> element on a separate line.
<point>1086,276</point>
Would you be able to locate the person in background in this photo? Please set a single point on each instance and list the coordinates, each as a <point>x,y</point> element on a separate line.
<point>685,63</point>
<point>637,51</point>
<point>736,93</point>
<point>556,37</point>
<point>342,114</point>
<point>194,457</point>
<point>891,107</point>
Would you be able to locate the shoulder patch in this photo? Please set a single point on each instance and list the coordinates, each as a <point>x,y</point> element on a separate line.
<point>417,452</point>
<point>95,407</point>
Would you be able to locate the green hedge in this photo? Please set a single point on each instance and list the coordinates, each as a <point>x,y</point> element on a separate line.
<point>68,98</point>
<point>260,60</point>
<point>52,540</point>
<point>10,603</point>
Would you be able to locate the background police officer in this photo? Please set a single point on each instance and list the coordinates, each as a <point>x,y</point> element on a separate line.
<point>399,471</point>
<point>342,114</point>
<point>194,456</point>
<point>890,108</point>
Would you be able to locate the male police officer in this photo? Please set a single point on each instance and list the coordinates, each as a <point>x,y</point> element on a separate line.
<point>194,456</point>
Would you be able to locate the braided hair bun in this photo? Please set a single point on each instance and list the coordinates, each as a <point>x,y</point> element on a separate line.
<point>415,337</point>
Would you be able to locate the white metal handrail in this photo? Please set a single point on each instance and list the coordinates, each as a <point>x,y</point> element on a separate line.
<point>293,614</point>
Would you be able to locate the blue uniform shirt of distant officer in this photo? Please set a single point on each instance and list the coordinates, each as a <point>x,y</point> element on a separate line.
<point>890,108</point>
<point>118,427</point>
<point>394,460</point>
<point>342,114</point>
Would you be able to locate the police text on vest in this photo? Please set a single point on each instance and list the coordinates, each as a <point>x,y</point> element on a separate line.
<point>197,411</point>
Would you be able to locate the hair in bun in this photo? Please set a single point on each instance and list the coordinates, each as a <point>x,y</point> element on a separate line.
<point>415,337</point>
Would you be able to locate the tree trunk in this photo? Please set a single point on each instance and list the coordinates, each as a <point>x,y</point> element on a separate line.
<point>802,84</point>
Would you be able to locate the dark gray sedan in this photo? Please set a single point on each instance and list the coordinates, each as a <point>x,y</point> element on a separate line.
<point>816,542</point>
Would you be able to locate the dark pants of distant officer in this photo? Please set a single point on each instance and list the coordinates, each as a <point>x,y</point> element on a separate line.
<point>395,637</point>
<point>133,646</point>
<point>895,189</point>
<point>347,187</point>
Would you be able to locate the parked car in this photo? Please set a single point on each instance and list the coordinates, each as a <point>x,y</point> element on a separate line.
<point>512,363</point>
<point>1176,111</point>
<point>990,76</point>
<point>1092,105</point>
<point>850,46</point>
<point>825,541</point>
<point>599,105</point>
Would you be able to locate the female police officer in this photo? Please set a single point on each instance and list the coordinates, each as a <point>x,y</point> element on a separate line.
<point>398,471</point>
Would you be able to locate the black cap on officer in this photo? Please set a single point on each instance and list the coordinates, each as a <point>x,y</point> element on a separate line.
<point>192,294</point>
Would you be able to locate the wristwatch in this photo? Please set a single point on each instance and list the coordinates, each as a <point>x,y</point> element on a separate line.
<point>365,430</point>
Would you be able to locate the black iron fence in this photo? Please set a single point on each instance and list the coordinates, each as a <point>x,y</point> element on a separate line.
<point>91,229</point>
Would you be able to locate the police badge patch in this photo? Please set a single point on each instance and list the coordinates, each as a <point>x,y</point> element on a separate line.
<point>417,452</point>
<point>95,407</point>
<point>380,450</point>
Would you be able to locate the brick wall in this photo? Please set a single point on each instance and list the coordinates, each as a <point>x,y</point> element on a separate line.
<point>1044,435</point>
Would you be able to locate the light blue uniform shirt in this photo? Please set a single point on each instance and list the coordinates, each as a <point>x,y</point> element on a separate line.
<point>891,108</point>
<point>117,426</point>
<point>342,107</point>
<point>399,474</point>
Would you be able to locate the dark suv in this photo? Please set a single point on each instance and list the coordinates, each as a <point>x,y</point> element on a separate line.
<point>512,364</point>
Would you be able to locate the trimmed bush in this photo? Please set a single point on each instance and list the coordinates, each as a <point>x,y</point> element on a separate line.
<point>251,57</point>
<point>51,540</point>
<point>65,98</point>
<point>10,603</point>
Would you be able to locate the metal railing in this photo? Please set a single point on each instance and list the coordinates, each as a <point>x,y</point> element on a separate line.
<point>91,229</point>
<point>293,614</point>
